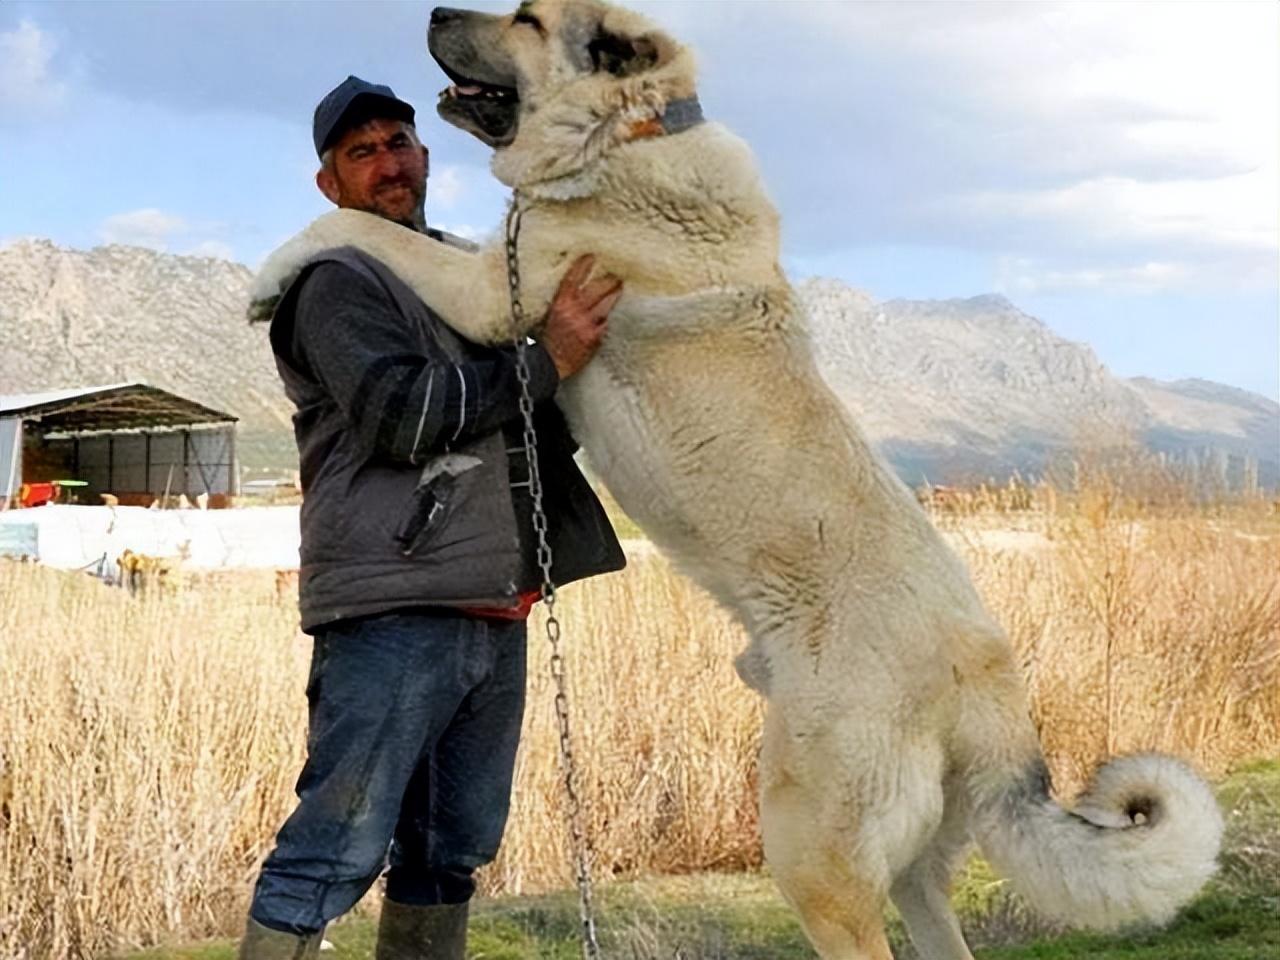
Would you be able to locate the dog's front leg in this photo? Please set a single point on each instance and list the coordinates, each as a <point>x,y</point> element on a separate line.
<point>468,290</point>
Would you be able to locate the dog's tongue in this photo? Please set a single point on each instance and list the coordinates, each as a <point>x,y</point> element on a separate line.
<point>468,91</point>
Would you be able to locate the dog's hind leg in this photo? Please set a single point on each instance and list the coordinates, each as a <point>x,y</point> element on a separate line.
<point>840,907</point>
<point>921,892</point>
<point>836,887</point>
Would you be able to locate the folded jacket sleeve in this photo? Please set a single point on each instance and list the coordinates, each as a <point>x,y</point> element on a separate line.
<point>404,401</point>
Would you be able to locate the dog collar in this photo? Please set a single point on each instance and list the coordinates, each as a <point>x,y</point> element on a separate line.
<point>677,116</point>
<point>680,115</point>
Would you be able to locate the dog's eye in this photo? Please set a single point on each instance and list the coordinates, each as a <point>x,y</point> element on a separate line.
<point>528,18</point>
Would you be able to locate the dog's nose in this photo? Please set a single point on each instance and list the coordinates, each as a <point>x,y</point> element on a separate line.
<point>444,14</point>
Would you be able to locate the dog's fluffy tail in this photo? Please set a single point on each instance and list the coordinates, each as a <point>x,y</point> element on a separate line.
<point>1137,845</point>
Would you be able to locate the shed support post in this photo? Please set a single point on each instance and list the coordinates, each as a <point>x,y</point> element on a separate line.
<point>233,481</point>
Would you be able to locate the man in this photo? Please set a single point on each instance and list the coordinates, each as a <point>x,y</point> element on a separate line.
<point>418,562</point>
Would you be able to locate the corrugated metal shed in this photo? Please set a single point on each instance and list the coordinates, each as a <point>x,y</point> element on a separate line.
<point>121,406</point>
<point>136,442</point>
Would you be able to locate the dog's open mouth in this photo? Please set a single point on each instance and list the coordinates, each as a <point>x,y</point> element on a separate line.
<point>488,108</point>
<point>482,91</point>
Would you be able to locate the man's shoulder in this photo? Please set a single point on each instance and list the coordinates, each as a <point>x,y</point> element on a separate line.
<point>342,265</point>
<point>338,277</point>
<point>351,282</point>
<point>336,284</point>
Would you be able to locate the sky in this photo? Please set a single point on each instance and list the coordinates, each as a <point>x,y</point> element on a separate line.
<point>1110,167</point>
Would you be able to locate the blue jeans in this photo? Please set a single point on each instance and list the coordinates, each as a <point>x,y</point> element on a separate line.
<point>413,725</point>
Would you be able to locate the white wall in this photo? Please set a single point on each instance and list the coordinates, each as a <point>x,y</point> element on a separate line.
<point>10,457</point>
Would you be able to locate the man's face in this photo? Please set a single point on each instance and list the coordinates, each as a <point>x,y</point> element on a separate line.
<point>379,167</point>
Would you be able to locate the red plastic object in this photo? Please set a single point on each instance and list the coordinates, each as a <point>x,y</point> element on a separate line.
<point>37,494</point>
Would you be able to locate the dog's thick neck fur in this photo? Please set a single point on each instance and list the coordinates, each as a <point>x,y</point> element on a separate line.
<point>564,136</point>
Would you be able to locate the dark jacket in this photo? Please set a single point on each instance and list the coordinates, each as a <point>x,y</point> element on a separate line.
<point>413,468</point>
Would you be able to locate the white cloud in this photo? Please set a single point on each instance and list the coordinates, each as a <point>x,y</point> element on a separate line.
<point>211,248</point>
<point>464,230</point>
<point>1159,120</point>
<point>166,232</point>
<point>1190,76</point>
<point>1022,275</point>
<point>148,227</point>
<point>1230,214</point>
<point>27,84</point>
<point>446,186</point>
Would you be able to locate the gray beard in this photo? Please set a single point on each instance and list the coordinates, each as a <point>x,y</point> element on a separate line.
<point>419,219</point>
<point>416,220</point>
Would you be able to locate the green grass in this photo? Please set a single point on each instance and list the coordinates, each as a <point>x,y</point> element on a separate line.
<point>741,916</point>
<point>1215,927</point>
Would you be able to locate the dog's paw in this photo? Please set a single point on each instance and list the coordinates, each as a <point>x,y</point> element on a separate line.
<point>280,269</point>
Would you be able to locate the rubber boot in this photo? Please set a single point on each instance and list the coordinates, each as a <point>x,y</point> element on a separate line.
<point>263,943</point>
<point>437,932</point>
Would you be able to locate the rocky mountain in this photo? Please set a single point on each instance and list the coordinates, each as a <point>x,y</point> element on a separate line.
<point>958,390</point>
<point>114,314</point>
<point>1200,414</point>
<point>951,390</point>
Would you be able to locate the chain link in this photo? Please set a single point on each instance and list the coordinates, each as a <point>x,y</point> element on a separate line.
<point>568,767</point>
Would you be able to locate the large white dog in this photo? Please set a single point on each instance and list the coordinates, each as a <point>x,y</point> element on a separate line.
<point>897,723</point>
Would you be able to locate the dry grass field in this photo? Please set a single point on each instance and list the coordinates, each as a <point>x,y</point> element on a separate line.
<point>148,744</point>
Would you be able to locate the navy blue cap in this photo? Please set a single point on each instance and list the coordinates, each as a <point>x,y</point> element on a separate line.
<point>351,103</point>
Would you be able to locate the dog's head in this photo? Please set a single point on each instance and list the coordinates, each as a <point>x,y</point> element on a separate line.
<point>556,84</point>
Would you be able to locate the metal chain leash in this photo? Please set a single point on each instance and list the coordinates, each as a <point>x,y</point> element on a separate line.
<point>568,767</point>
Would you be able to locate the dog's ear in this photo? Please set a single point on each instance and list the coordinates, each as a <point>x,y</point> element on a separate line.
<point>622,56</point>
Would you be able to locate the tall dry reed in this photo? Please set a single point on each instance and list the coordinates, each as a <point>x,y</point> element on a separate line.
<point>148,745</point>
<point>1142,627</point>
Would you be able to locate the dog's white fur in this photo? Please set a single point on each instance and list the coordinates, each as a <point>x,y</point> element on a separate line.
<point>897,721</point>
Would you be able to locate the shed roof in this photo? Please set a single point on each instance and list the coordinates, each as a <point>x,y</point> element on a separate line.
<point>120,406</point>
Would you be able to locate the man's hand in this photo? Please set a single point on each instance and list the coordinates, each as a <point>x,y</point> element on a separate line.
<point>578,316</point>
